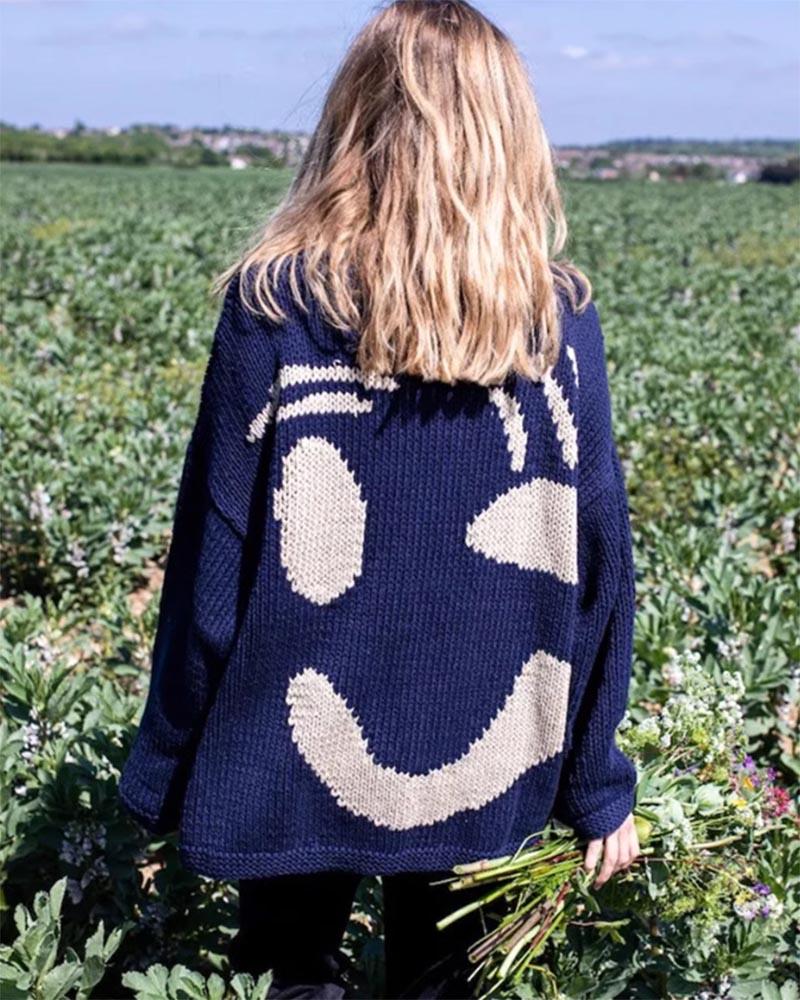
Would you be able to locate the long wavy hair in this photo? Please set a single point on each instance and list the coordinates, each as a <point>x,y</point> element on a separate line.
<point>426,208</point>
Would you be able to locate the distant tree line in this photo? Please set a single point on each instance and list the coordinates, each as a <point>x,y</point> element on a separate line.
<point>154,144</point>
<point>763,148</point>
<point>133,147</point>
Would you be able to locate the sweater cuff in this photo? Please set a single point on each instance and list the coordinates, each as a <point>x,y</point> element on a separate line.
<point>604,821</point>
<point>157,811</point>
<point>597,814</point>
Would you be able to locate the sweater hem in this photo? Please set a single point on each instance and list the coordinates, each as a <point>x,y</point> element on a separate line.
<point>303,860</point>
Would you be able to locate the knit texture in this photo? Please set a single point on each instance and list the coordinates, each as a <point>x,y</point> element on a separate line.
<point>395,629</point>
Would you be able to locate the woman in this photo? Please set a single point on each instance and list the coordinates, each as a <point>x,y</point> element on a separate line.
<point>396,623</point>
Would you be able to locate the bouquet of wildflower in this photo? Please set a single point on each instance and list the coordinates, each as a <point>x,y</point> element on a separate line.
<point>701,807</point>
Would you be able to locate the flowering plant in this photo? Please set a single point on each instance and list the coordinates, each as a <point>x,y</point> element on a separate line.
<point>702,808</point>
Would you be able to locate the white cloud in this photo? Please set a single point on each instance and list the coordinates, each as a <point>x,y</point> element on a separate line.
<point>606,58</point>
<point>683,39</point>
<point>125,28</point>
<point>613,60</point>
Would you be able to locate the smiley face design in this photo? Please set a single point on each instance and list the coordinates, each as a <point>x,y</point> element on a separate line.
<point>323,511</point>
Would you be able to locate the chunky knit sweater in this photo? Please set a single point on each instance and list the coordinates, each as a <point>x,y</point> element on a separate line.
<point>395,629</point>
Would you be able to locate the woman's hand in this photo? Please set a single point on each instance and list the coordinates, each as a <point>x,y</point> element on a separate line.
<point>619,849</point>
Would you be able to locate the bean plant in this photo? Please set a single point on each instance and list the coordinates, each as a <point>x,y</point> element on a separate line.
<point>106,325</point>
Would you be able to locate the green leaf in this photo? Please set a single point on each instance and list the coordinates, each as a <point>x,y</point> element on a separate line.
<point>57,891</point>
<point>57,983</point>
<point>216,987</point>
<point>150,985</point>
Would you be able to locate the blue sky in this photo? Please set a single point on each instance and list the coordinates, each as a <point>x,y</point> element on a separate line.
<point>602,69</point>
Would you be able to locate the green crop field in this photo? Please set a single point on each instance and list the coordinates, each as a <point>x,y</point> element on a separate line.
<point>106,325</point>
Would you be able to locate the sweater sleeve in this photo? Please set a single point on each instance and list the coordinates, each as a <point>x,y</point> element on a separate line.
<point>597,783</point>
<point>206,576</point>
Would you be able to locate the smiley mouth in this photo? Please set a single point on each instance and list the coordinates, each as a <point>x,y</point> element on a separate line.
<point>527,730</point>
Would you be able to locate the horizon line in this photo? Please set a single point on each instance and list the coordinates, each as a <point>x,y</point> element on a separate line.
<point>788,140</point>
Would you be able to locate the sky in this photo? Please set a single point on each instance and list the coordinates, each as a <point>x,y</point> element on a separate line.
<point>601,69</point>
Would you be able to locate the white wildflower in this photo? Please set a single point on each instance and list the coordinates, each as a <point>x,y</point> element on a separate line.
<point>649,726</point>
<point>672,672</point>
<point>39,505</point>
<point>120,535</point>
<point>788,538</point>
<point>77,558</point>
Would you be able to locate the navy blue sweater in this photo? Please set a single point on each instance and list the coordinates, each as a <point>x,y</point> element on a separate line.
<point>395,630</point>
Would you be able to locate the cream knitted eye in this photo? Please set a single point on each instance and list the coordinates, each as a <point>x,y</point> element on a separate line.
<point>532,526</point>
<point>323,516</point>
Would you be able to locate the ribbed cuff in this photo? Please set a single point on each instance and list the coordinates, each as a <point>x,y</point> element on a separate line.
<point>604,821</point>
<point>154,810</point>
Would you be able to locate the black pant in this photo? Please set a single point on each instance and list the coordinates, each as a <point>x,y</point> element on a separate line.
<point>294,924</point>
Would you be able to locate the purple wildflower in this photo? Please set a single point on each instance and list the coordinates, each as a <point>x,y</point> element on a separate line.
<point>762,889</point>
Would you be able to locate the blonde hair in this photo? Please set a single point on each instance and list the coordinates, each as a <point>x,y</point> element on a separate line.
<point>426,207</point>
